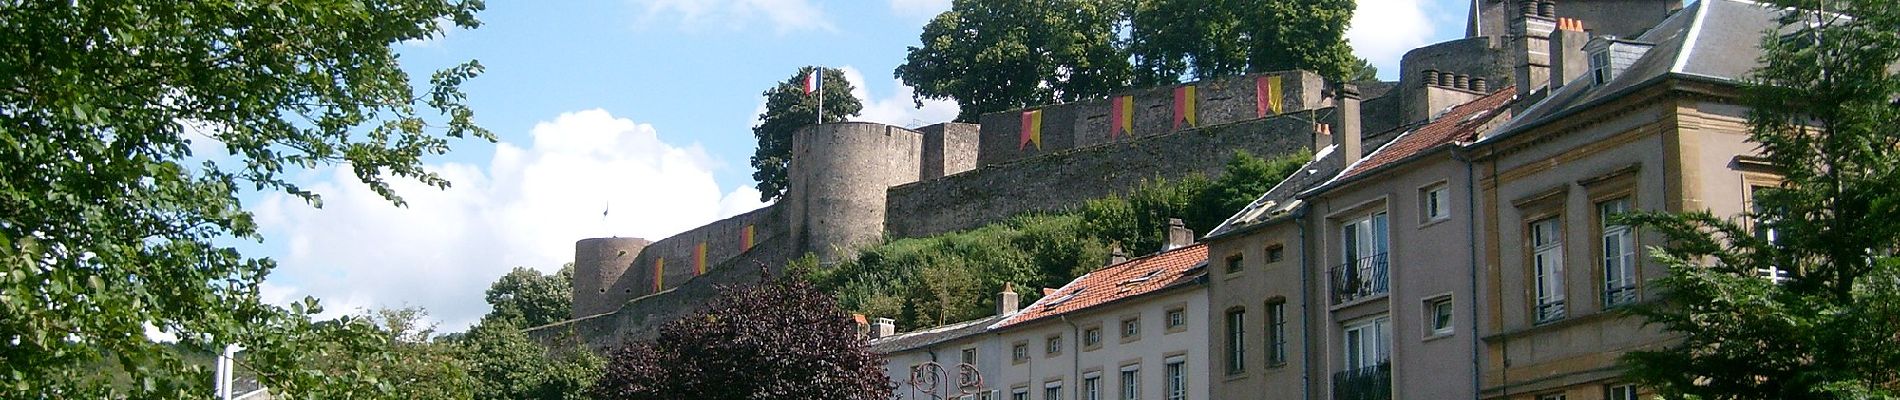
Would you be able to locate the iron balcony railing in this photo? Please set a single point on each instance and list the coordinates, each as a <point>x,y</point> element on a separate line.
<point>1550,310</point>
<point>1359,278</point>
<point>1369,383</point>
<point>1620,295</point>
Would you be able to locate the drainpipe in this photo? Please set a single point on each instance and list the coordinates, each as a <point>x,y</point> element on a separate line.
<point>1075,353</point>
<point>1471,238</point>
<point>1306,369</point>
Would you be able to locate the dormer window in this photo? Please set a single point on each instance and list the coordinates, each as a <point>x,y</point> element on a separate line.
<point>1600,66</point>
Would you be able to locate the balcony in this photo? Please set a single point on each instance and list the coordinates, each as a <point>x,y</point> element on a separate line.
<point>1369,383</point>
<point>1359,279</point>
<point>1619,295</point>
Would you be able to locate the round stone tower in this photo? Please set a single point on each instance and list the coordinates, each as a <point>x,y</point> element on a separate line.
<point>838,176</point>
<point>598,263</point>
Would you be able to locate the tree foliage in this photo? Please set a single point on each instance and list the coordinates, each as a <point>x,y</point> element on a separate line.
<point>921,282</point>
<point>779,339</point>
<point>506,364</point>
<point>1824,116</point>
<point>995,55</point>
<point>990,55</point>
<point>414,363</point>
<point>108,220</point>
<point>788,108</point>
<point>1208,38</point>
<point>526,298</point>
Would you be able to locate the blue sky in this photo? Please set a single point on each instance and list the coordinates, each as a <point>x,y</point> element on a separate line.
<point>642,108</point>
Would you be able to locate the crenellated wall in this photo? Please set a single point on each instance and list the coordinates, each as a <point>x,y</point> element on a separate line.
<point>1063,180</point>
<point>674,259</point>
<point>1088,123</point>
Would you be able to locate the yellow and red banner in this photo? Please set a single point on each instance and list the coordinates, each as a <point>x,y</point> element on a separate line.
<point>1184,106</point>
<point>1032,129</point>
<point>659,274</point>
<point>1121,116</point>
<point>745,237</point>
<point>1268,96</point>
<point>699,259</point>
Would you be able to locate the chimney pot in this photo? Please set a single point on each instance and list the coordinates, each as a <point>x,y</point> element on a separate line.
<point>1007,302</point>
<point>1347,137</point>
<point>1431,77</point>
<point>1462,81</point>
<point>884,327</point>
<point>1478,84</point>
<point>1178,235</point>
<point>1547,8</point>
<point>1527,7</point>
<point>1446,78</point>
<point>1116,255</point>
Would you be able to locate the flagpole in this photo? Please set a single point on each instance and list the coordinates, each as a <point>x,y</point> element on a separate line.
<point>820,90</point>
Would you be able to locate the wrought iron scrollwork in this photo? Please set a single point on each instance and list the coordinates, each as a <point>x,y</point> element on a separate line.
<point>931,380</point>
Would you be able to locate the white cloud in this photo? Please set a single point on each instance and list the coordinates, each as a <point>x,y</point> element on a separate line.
<point>898,109</point>
<point>923,9</point>
<point>784,15</point>
<point>526,208</point>
<point>1383,30</point>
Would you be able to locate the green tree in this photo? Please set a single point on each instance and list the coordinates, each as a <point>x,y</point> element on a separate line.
<point>788,108</point>
<point>779,339</point>
<point>1823,114</point>
<point>1208,38</point>
<point>109,223</point>
<point>506,364</point>
<point>995,55</point>
<point>1246,178</point>
<point>1302,34</point>
<point>414,362</point>
<point>525,297</point>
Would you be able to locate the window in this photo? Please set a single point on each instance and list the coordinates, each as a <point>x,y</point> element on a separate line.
<point>1019,352</point>
<point>1600,66</point>
<point>1275,253</point>
<point>968,357</point>
<point>1092,388</point>
<point>1177,318</point>
<point>1233,264</point>
<point>1619,255</point>
<point>1366,343</point>
<point>1177,378</point>
<point>1619,392</point>
<point>1052,345</point>
<point>1547,261</point>
<point>1021,393</point>
<point>1131,382</point>
<point>1552,396</point>
<point>1434,203</point>
<point>1236,341</point>
<point>1438,316</point>
<point>1131,328</point>
<point>1052,391</point>
<point>1765,230</point>
<point>1092,336</point>
<point>1363,246</point>
<point>1276,333</point>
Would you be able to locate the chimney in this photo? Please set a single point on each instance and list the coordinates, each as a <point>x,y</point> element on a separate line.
<point>1116,255</point>
<point>1530,41</point>
<point>1178,235</point>
<point>1347,135</point>
<point>1567,61</point>
<point>1006,302</point>
<point>884,327</point>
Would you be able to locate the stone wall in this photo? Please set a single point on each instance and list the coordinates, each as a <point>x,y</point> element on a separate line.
<point>599,263</point>
<point>1475,57</point>
<point>1062,180</point>
<point>839,173</point>
<point>949,148</point>
<point>641,317</point>
<point>724,239</point>
<point>1087,123</point>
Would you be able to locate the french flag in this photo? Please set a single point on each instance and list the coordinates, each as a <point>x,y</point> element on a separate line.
<point>813,79</point>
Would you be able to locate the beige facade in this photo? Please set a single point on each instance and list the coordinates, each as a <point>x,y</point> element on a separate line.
<point>1070,364</point>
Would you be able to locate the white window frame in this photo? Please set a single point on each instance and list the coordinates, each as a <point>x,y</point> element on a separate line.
<point>1440,316</point>
<point>1366,342</point>
<point>1091,387</point>
<point>1276,333</point>
<point>1236,341</point>
<point>1019,393</point>
<point>1600,71</point>
<point>1175,370</point>
<point>1092,336</point>
<point>1052,345</point>
<point>1052,390</point>
<point>1620,392</point>
<point>1131,328</point>
<point>1547,268</point>
<point>1131,382</point>
<point>1618,244</point>
<point>1176,318</point>
<point>1435,202</point>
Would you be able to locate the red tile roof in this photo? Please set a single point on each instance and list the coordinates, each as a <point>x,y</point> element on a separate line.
<point>1460,124</point>
<point>1120,281</point>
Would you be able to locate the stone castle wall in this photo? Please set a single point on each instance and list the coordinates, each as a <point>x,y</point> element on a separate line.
<point>674,260</point>
<point>839,174</point>
<point>1063,180</point>
<point>1087,123</point>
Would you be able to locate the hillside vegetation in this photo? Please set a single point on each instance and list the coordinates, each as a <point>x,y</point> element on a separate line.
<point>953,277</point>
